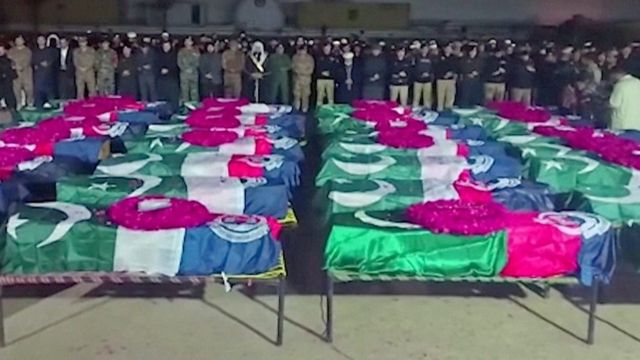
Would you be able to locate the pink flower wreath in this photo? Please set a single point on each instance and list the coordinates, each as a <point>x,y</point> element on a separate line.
<point>458,217</point>
<point>180,213</point>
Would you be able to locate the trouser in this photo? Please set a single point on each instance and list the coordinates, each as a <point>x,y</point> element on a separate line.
<point>424,91</point>
<point>301,92</point>
<point>24,82</point>
<point>85,80</point>
<point>128,86</point>
<point>147,85</point>
<point>279,87</point>
<point>446,90</point>
<point>521,95</point>
<point>211,89</point>
<point>232,86</point>
<point>43,93</point>
<point>106,83</point>
<point>494,92</point>
<point>373,92</point>
<point>470,93</point>
<point>325,88</point>
<point>66,85</point>
<point>399,93</point>
<point>189,87</point>
<point>7,94</point>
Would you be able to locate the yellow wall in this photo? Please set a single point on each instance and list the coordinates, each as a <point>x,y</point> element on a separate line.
<point>354,16</point>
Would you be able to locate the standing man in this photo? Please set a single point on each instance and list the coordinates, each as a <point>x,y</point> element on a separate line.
<point>374,75</point>
<point>303,67</point>
<point>146,61</point>
<point>446,75</point>
<point>7,76</point>
<point>127,72</point>
<point>106,62</point>
<point>399,84</point>
<point>20,54</point>
<point>423,75</point>
<point>495,76</point>
<point>168,85</point>
<point>66,71</point>
<point>211,71</point>
<point>470,84</point>
<point>43,60</point>
<point>188,62</point>
<point>522,79</point>
<point>256,70</point>
<point>278,67</point>
<point>233,62</point>
<point>84,60</point>
<point>325,74</point>
<point>349,78</point>
<point>624,101</point>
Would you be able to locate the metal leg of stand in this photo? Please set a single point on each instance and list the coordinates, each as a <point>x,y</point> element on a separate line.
<point>329,326</point>
<point>2,339</point>
<point>282,288</point>
<point>593,303</point>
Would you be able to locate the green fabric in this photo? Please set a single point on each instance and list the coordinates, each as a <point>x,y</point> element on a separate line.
<point>495,126</point>
<point>367,167</point>
<point>358,246</point>
<point>163,145</point>
<point>618,204</point>
<point>88,245</point>
<point>143,164</point>
<point>103,191</point>
<point>34,115</point>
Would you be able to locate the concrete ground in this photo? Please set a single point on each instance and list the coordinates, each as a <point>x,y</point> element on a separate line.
<point>372,321</point>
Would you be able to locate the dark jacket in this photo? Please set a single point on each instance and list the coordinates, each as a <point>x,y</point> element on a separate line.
<point>211,63</point>
<point>68,62</point>
<point>520,76</point>
<point>375,65</point>
<point>326,63</point>
<point>400,71</point>
<point>146,62</point>
<point>44,62</point>
<point>7,72</point>
<point>423,69</point>
<point>470,68</point>
<point>491,71</point>
<point>345,93</point>
<point>169,61</point>
<point>446,64</point>
<point>127,85</point>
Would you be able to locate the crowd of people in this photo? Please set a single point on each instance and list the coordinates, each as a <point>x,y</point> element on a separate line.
<point>439,75</point>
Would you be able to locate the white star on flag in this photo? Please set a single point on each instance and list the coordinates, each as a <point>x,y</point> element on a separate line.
<point>529,151</point>
<point>477,121</point>
<point>104,186</point>
<point>157,142</point>
<point>552,164</point>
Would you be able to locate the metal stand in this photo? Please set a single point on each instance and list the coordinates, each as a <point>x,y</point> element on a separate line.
<point>2,339</point>
<point>595,287</point>
<point>282,288</point>
<point>329,325</point>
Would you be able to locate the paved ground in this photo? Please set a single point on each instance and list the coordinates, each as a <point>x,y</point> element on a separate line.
<point>409,321</point>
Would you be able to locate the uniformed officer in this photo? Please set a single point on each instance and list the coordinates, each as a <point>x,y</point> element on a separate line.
<point>20,54</point>
<point>44,59</point>
<point>400,71</point>
<point>278,67</point>
<point>106,62</point>
<point>84,60</point>
<point>233,61</point>
<point>423,78</point>
<point>446,73</point>
<point>7,75</point>
<point>188,62</point>
<point>303,66</point>
<point>326,65</point>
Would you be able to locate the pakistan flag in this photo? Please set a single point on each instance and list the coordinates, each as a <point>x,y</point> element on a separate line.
<point>370,167</point>
<point>219,195</point>
<point>495,126</point>
<point>348,196</point>
<point>618,204</point>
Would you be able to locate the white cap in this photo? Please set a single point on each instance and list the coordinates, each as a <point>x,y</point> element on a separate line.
<point>132,35</point>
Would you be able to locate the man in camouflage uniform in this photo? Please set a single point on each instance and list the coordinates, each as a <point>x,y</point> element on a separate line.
<point>21,57</point>
<point>233,63</point>
<point>106,63</point>
<point>84,60</point>
<point>303,66</point>
<point>188,62</point>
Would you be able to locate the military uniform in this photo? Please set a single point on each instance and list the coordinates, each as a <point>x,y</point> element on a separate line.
<point>24,82</point>
<point>188,62</point>
<point>303,66</point>
<point>278,66</point>
<point>85,62</point>
<point>233,63</point>
<point>106,62</point>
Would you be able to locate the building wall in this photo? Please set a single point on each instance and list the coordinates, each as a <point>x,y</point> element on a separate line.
<point>60,12</point>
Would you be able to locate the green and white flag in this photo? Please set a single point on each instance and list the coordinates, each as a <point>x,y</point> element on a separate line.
<point>63,237</point>
<point>219,195</point>
<point>619,204</point>
<point>369,167</point>
<point>206,164</point>
<point>366,144</point>
<point>495,126</point>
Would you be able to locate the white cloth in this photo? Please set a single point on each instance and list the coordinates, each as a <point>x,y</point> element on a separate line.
<point>64,52</point>
<point>157,252</point>
<point>625,102</point>
<point>206,164</point>
<point>219,195</point>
